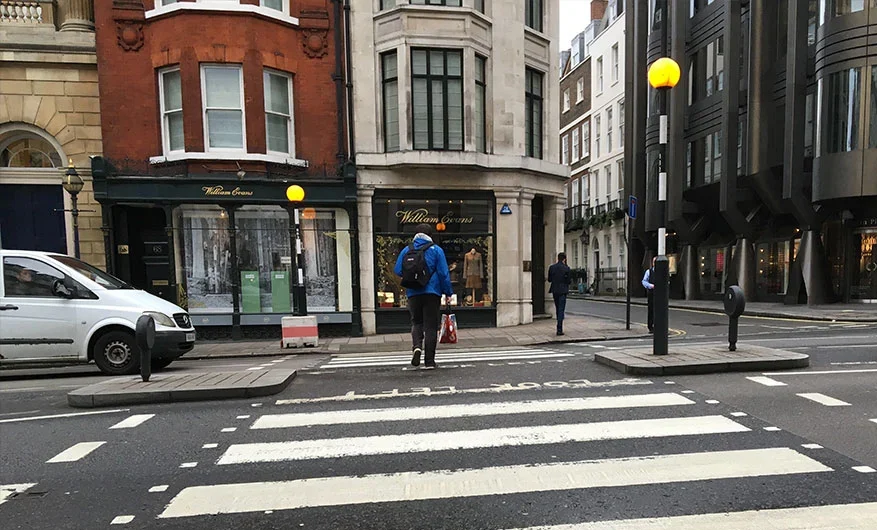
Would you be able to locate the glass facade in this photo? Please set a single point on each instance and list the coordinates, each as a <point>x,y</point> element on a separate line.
<point>864,267</point>
<point>843,97</point>
<point>712,270</point>
<point>204,267</point>
<point>773,266</point>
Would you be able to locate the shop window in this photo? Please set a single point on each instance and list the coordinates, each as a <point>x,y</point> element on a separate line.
<point>480,104</point>
<point>437,99</point>
<point>863,284</point>
<point>533,14</point>
<point>323,243</point>
<point>586,139</point>
<point>772,276</point>
<point>575,145</point>
<point>533,109</point>
<point>712,271</point>
<point>464,230</point>
<point>28,150</point>
<point>171,98</point>
<point>839,8</point>
<point>204,266</point>
<point>390,85</point>
<point>872,124</point>
<point>223,107</point>
<point>264,259</point>
<point>278,113</point>
<point>843,98</point>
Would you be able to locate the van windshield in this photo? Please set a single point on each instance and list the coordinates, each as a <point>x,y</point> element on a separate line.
<point>92,273</point>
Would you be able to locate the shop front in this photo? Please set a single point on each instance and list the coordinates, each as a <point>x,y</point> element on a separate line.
<point>224,248</point>
<point>863,265</point>
<point>464,226</point>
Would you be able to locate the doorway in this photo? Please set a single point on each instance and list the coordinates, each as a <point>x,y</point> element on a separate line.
<point>142,252</point>
<point>863,284</point>
<point>537,227</point>
<point>32,217</point>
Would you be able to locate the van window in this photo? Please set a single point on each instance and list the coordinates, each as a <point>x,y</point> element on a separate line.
<point>27,277</point>
<point>92,273</point>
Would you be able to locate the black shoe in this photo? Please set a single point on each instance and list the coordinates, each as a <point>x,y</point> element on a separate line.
<point>430,366</point>
<point>415,359</point>
<point>651,330</point>
<point>559,333</point>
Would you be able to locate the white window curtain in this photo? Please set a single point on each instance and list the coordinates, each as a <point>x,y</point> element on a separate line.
<point>223,107</point>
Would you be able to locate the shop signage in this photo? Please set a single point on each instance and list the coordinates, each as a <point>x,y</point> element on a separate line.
<point>422,215</point>
<point>505,210</point>
<point>868,221</point>
<point>221,191</point>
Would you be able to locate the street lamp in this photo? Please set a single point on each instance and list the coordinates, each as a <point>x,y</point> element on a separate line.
<point>296,194</point>
<point>73,183</point>
<point>664,74</point>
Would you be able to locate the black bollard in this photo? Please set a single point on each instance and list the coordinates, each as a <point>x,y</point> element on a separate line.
<point>145,335</point>
<point>735,303</point>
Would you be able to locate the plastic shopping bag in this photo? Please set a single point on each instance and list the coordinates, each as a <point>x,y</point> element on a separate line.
<point>448,329</point>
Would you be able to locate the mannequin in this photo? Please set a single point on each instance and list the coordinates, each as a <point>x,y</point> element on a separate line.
<point>473,271</point>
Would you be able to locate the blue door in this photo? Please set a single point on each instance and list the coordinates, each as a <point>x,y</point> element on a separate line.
<point>29,220</point>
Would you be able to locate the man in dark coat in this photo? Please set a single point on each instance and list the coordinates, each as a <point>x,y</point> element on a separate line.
<point>559,278</point>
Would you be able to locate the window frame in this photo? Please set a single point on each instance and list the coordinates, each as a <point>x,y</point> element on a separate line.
<point>531,102</point>
<point>290,123</point>
<point>566,100</point>
<point>600,75</point>
<point>615,57</point>
<point>445,77</point>
<point>586,139</point>
<point>564,149</point>
<point>442,3</point>
<point>609,114</point>
<point>284,8</point>
<point>597,126</point>
<point>480,97</point>
<point>165,129</point>
<point>621,124</point>
<point>385,83</point>
<point>575,145</point>
<point>534,15</point>
<point>205,109</point>
<point>580,90</point>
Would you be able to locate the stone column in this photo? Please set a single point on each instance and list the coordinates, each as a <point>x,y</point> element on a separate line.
<point>508,259</point>
<point>366,259</point>
<point>690,272</point>
<point>744,268</point>
<point>525,228</point>
<point>76,15</point>
<point>553,241</point>
<point>809,280</point>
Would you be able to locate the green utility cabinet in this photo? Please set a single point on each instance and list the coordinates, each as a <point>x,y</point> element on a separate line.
<point>280,302</point>
<point>250,299</point>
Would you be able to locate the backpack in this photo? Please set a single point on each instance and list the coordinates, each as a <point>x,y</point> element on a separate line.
<point>415,271</point>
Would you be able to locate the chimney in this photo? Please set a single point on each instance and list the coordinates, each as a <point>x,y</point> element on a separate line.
<point>598,9</point>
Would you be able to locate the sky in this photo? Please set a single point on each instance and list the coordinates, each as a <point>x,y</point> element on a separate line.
<point>574,16</point>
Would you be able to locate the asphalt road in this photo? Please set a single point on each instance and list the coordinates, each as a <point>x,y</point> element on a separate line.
<point>526,441</point>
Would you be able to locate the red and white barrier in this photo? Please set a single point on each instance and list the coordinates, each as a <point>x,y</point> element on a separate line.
<point>299,332</point>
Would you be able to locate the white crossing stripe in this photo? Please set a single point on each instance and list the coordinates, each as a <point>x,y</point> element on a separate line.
<point>122,519</point>
<point>874,420</point>
<point>395,360</point>
<point>822,399</point>
<point>527,478</point>
<point>8,490</point>
<point>766,381</point>
<point>451,440</point>
<point>68,415</point>
<point>281,421</point>
<point>132,421</point>
<point>74,453</point>
<point>864,469</point>
<point>835,517</point>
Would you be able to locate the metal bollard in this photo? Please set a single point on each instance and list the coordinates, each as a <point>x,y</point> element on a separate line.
<point>145,335</point>
<point>735,303</point>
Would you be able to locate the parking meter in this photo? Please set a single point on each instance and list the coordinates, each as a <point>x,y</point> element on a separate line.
<point>735,303</point>
<point>145,336</point>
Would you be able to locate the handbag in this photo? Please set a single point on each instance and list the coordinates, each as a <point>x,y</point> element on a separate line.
<point>448,328</point>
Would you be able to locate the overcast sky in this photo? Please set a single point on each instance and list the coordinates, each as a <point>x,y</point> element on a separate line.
<point>574,16</point>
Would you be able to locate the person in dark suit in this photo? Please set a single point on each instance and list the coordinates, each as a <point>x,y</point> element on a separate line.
<point>559,278</point>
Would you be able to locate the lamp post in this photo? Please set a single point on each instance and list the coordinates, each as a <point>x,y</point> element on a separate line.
<point>73,183</point>
<point>664,74</point>
<point>296,194</point>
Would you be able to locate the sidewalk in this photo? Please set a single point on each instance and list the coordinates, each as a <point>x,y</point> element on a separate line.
<point>540,332</point>
<point>819,313</point>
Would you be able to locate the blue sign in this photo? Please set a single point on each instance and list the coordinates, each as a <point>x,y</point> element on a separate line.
<point>505,210</point>
<point>631,208</point>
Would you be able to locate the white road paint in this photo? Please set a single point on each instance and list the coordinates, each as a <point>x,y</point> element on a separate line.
<point>476,439</point>
<point>133,421</point>
<point>772,429</point>
<point>855,363</point>
<point>8,490</point>
<point>255,368</point>
<point>824,372</point>
<point>822,399</point>
<point>242,417</point>
<point>874,420</point>
<point>812,446</point>
<point>766,381</point>
<point>229,429</point>
<point>835,517</point>
<point>739,414</point>
<point>122,519</point>
<point>256,405</point>
<point>341,359</point>
<point>186,465</point>
<point>74,453</point>
<point>864,469</point>
<point>69,415</point>
<point>712,402</point>
<point>209,446</point>
<point>845,346</point>
<point>445,484</point>
<point>158,489</point>
<point>443,358</point>
<point>281,421</point>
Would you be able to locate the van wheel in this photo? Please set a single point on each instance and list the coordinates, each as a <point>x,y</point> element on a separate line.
<point>116,353</point>
<point>160,364</point>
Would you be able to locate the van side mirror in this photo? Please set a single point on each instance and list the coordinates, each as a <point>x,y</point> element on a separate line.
<point>65,288</point>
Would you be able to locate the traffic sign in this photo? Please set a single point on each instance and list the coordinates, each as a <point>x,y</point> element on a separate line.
<point>631,208</point>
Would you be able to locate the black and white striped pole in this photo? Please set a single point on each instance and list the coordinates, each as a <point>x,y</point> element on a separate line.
<point>664,74</point>
<point>296,195</point>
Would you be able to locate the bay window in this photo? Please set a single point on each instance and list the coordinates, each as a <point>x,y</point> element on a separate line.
<point>437,98</point>
<point>533,108</point>
<point>223,107</point>
<point>390,89</point>
<point>278,113</point>
<point>171,101</point>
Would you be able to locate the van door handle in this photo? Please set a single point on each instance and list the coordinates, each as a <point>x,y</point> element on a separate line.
<point>9,307</point>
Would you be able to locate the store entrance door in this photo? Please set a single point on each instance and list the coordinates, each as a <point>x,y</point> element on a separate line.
<point>538,253</point>
<point>863,287</point>
<point>143,253</point>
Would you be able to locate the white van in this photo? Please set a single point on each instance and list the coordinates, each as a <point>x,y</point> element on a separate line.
<point>55,308</point>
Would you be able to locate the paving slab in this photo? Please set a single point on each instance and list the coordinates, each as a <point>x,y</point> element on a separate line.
<point>701,359</point>
<point>191,386</point>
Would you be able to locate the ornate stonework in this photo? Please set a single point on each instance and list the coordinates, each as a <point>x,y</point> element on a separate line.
<point>129,35</point>
<point>314,42</point>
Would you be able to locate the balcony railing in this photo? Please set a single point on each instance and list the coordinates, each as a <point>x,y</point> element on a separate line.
<point>574,212</point>
<point>26,12</point>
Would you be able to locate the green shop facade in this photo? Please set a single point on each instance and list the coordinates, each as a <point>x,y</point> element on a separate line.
<point>222,245</point>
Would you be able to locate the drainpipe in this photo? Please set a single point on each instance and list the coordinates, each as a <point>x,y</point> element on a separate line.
<point>338,78</point>
<point>351,144</point>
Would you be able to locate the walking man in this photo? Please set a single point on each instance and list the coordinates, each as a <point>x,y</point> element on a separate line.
<point>650,294</point>
<point>424,271</point>
<point>559,278</point>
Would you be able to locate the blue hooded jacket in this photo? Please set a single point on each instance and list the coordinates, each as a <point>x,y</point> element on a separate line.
<point>440,281</point>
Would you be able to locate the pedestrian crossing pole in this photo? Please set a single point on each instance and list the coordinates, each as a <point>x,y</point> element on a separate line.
<point>663,75</point>
<point>296,195</point>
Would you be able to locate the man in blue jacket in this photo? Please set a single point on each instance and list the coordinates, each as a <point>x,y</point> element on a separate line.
<point>424,303</point>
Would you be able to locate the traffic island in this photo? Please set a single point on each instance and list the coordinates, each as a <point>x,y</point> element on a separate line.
<point>190,386</point>
<point>701,359</point>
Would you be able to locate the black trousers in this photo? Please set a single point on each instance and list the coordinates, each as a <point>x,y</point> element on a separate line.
<point>650,295</point>
<point>560,309</point>
<point>425,312</point>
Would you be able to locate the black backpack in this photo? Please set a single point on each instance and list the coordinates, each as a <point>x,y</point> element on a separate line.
<point>415,271</point>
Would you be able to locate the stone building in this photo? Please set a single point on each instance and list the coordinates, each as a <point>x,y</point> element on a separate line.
<point>49,116</point>
<point>455,125</point>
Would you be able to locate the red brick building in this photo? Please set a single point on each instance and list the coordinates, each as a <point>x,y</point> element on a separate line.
<point>211,109</point>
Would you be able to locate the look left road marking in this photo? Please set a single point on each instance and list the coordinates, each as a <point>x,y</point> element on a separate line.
<point>74,453</point>
<point>133,421</point>
<point>8,490</point>
<point>822,399</point>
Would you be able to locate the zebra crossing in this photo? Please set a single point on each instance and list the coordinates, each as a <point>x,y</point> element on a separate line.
<point>446,358</point>
<point>477,461</point>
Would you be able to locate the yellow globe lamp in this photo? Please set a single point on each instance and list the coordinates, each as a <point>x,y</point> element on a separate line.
<point>664,73</point>
<point>295,193</point>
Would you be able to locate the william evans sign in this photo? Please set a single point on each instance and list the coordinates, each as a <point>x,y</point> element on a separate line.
<point>221,191</point>
<point>422,215</point>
